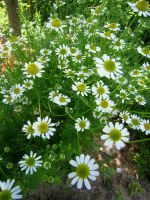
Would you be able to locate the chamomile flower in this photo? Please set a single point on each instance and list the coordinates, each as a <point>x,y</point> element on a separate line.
<point>8,99</point>
<point>146,67</point>
<point>98,10</point>
<point>136,73</point>
<point>28,129</point>
<point>108,35</point>
<point>134,122</point>
<point>81,88</point>
<point>30,163</point>
<point>62,51</point>
<point>97,113</point>
<point>32,70</point>
<point>45,52</point>
<point>44,128</point>
<point>100,90</point>
<point>123,95</point>
<point>115,135</point>
<point>82,124</point>
<point>105,105</point>
<point>55,24</point>
<point>28,84</point>
<point>78,57</point>
<point>141,7</point>
<point>112,26</point>
<point>145,126</point>
<point>125,116</point>
<point>8,192</point>
<point>118,44</point>
<point>62,100</point>
<point>86,169</point>
<point>92,48</point>
<point>132,89</point>
<point>108,67</point>
<point>144,51</point>
<point>16,91</point>
<point>140,100</point>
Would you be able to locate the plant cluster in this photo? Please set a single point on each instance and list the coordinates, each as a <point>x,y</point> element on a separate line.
<point>67,84</point>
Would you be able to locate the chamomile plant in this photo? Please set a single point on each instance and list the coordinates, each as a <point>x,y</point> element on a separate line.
<point>69,84</point>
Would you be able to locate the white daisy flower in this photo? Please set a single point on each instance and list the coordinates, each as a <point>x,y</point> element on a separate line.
<point>30,163</point>
<point>45,52</point>
<point>141,7</point>
<point>8,192</point>
<point>100,90</point>
<point>55,23</point>
<point>132,89</point>
<point>61,100</point>
<point>82,124</point>
<point>62,51</point>
<point>28,129</point>
<point>8,99</point>
<point>16,91</point>
<point>97,114</point>
<point>145,126</point>
<point>92,48</point>
<point>78,57</point>
<point>86,169</point>
<point>44,128</point>
<point>146,66</point>
<point>144,51</point>
<point>115,135</point>
<point>118,44</point>
<point>73,51</point>
<point>108,35</point>
<point>31,70</point>
<point>136,73</point>
<point>123,95</point>
<point>81,88</point>
<point>28,84</point>
<point>112,26</point>
<point>134,122</point>
<point>53,94</point>
<point>125,116</point>
<point>140,99</point>
<point>107,67</point>
<point>105,105</point>
<point>98,10</point>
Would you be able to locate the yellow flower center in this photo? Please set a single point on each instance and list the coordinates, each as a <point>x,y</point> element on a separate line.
<point>81,87</point>
<point>125,117</point>
<point>118,43</point>
<point>4,54</point>
<point>16,90</point>
<point>109,65</point>
<point>148,67</point>
<point>78,57</point>
<point>100,90</point>
<point>83,171</point>
<point>147,126</point>
<point>43,127</point>
<point>115,135</point>
<point>32,69</point>
<point>142,5</point>
<point>30,130</point>
<point>107,34</point>
<point>104,104</point>
<point>135,122</point>
<point>82,124</point>
<point>30,162</point>
<point>93,47</point>
<point>8,99</point>
<point>112,25</point>
<point>146,51</point>
<point>5,195</point>
<point>72,50</point>
<point>62,99</point>
<point>63,51</point>
<point>140,99</point>
<point>56,23</point>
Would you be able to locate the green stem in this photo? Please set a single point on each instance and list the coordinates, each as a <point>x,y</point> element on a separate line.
<point>3,172</point>
<point>138,141</point>
<point>78,142</point>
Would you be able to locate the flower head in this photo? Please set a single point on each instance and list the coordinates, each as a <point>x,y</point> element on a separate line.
<point>82,124</point>
<point>85,169</point>
<point>44,128</point>
<point>115,135</point>
<point>8,192</point>
<point>33,69</point>
<point>30,163</point>
<point>141,7</point>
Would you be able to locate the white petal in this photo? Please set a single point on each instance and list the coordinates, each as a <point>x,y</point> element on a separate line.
<point>72,175</point>
<point>87,184</point>
<point>79,184</point>
<point>108,143</point>
<point>73,163</point>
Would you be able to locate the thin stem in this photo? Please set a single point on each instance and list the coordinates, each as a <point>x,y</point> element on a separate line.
<point>3,172</point>
<point>78,142</point>
<point>138,141</point>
